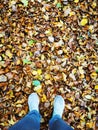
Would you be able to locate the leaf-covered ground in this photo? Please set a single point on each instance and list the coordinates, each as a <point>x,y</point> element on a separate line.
<point>49,47</point>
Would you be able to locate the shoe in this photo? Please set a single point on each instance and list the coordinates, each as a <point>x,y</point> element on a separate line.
<point>59,105</point>
<point>33,102</point>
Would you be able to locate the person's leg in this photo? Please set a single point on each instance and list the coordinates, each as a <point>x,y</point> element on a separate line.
<point>32,120</point>
<point>56,122</point>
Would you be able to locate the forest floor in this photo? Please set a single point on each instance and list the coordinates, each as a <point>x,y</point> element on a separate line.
<point>49,47</point>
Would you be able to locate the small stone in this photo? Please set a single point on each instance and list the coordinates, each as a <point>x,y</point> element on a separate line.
<point>51,38</point>
<point>3,78</point>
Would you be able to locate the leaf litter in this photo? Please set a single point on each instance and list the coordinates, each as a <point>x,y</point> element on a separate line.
<point>49,47</point>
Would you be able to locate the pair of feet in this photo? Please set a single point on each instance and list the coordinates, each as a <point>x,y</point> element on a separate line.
<point>59,104</point>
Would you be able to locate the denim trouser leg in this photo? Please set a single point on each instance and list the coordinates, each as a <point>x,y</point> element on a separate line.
<point>30,122</point>
<point>57,123</point>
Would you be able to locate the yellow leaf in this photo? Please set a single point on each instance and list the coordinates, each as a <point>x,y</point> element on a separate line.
<point>72,13</point>
<point>48,32</point>
<point>11,122</point>
<point>46,17</point>
<point>47,76</point>
<point>48,82</point>
<point>9,54</point>
<point>34,72</point>
<point>19,105</point>
<point>96,86</point>
<point>64,76</point>
<point>84,21</point>
<point>91,27</point>
<point>59,24</point>
<point>81,70</point>
<point>18,62</point>
<point>82,76</point>
<point>43,98</point>
<point>38,89</point>
<point>94,4</point>
<point>76,1</point>
<point>69,107</point>
<point>90,124</point>
<point>42,57</point>
<point>22,113</point>
<point>70,99</point>
<point>93,75</point>
<point>39,71</point>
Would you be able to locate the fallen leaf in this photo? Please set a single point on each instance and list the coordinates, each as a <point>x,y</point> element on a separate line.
<point>96,87</point>
<point>84,21</point>
<point>31,42</point>
<point>11,122</point>
<point>38,89</point>
<point>44,98</point>
<point>25,2</point>
<point>88,97</point>
<point>76,1</point>
<point>9,54</point>
<point>26,61</point>
<point>36,83</point>
<point>59,5</point>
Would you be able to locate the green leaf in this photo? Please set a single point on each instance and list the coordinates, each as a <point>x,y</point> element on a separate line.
<point>31,54</point>
<point>25,2</point>
<point>32,42</point>
<point>26,61</point>
<point>36,83</point>
<point>97,71</point>
<point>97,43</point>
<point>81,37</point>
<point>58,5</point>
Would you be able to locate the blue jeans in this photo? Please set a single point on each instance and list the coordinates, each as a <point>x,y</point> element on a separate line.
<point>32,122</point>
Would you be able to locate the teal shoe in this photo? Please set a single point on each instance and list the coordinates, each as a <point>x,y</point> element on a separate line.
<point>33,102</point>
<point>59,105</point>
